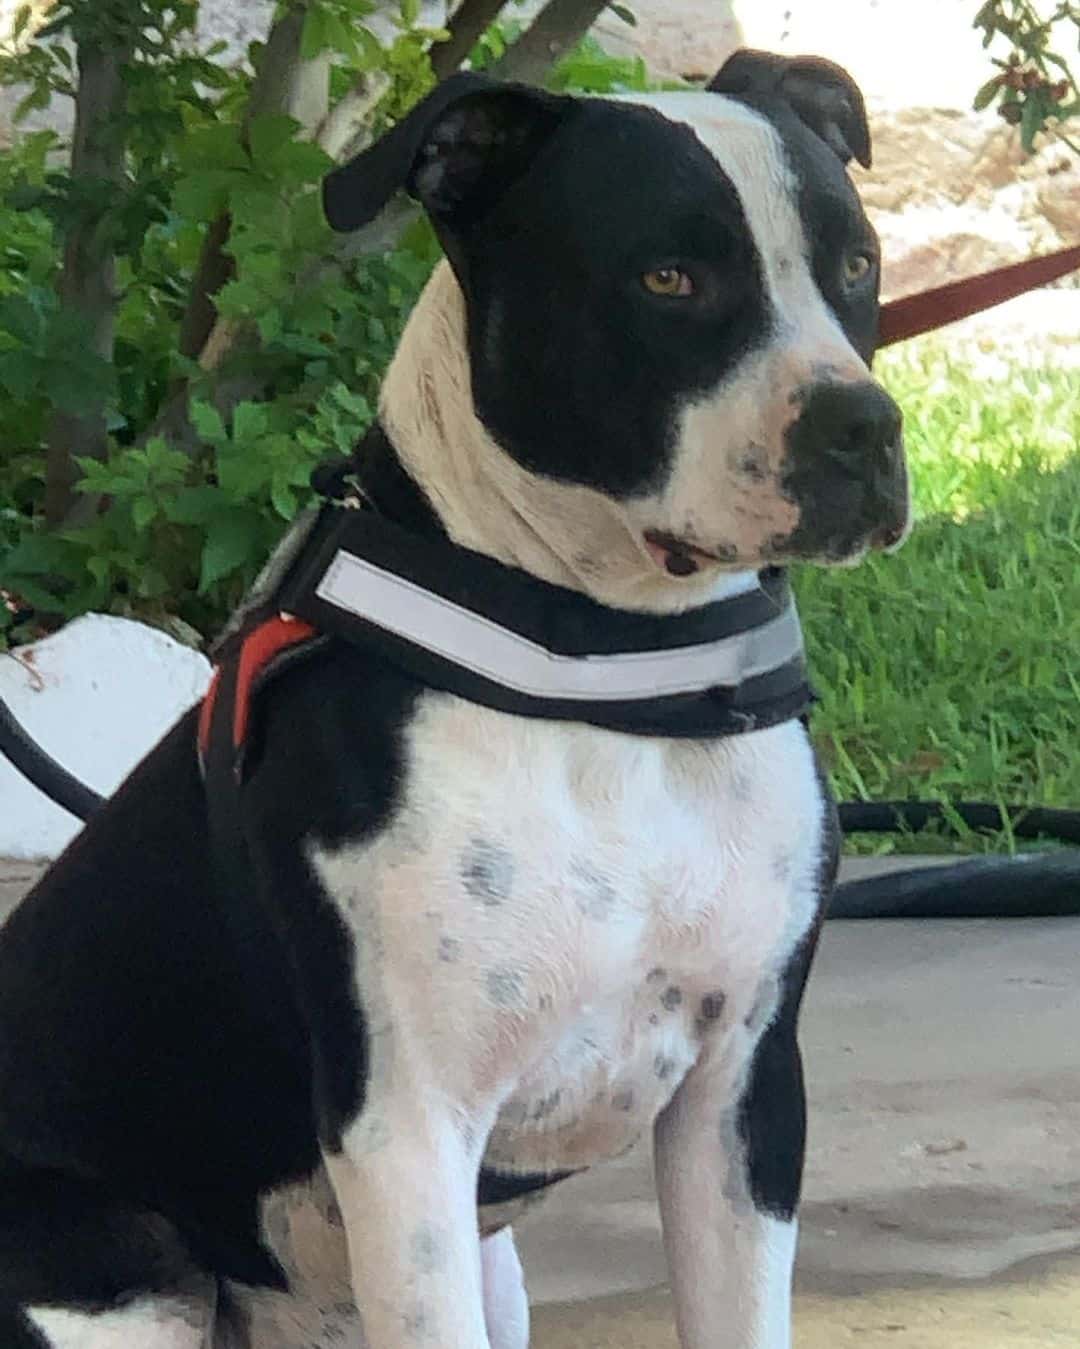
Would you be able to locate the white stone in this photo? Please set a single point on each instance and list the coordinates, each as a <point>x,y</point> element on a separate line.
<point>97,695</point>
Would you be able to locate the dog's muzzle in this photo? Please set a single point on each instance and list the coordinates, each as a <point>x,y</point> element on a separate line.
<point>845,469</point>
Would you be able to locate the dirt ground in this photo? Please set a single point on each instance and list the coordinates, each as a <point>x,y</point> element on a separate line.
<point>942,1203</point>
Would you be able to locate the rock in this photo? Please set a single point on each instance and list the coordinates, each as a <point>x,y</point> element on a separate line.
<point>97,695</point>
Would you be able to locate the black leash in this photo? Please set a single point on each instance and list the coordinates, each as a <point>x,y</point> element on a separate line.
<point>40,768</point>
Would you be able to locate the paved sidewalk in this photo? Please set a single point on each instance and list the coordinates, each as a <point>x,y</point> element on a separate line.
<point>943,1182</point>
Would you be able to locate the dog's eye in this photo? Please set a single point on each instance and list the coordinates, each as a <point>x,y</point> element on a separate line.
<point>857,267</point>
<point>670,281</point>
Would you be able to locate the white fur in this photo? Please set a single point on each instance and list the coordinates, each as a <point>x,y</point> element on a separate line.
<point>509,927</point>
<point>731,1265</point>
<point>147,1323</point>
<point>506,1307</point>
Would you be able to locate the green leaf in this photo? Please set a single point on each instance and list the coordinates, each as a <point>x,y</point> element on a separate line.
<point>204,194</point>
<point>371,51</point>
<point>313,37</point>
<point>250,422</point>
<point>987,93</point>
<point>143,510</point>
<point>213,147</point>
<point>194,505</point>
<point>410,12</point>
<point>283,499</point>
<point>267,135</point>
<point>1031,120</point>
<point>22,20</point>
<point>207,422</point>
<point>36,555</point>
<point>231,542</point>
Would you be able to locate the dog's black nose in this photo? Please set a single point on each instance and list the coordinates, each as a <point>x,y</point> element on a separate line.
<point>850,424</point>
<point>844,468</point>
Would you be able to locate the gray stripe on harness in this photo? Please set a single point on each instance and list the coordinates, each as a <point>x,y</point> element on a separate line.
<point>475,643</point>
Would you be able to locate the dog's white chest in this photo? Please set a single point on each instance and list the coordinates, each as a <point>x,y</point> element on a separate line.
<point>558,918</point>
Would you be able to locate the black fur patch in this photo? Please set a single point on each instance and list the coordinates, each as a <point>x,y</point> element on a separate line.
<point>186,1049</point>
<point>772,1113</point>
<point>559,317</point>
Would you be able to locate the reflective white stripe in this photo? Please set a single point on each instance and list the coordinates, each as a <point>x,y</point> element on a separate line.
<point>475,643</point>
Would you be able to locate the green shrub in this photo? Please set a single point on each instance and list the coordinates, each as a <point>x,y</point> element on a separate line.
<point>190,515</point>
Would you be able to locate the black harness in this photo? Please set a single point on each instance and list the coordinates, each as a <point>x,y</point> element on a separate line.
<point>465,624</point>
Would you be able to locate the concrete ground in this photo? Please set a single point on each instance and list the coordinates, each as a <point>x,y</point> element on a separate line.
<point>942,1201</point>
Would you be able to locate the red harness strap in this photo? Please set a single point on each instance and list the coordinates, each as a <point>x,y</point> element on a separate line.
<point>913,315</point>
<point>258,649</point>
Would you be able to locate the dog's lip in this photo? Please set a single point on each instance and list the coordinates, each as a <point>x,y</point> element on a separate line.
<point>677,556</point>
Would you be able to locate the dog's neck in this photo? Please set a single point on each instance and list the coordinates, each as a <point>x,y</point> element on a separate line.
<point>565,534</point>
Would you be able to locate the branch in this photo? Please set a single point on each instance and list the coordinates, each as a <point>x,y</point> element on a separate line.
<point>346,128</point>
<point>465,29</point>
<point>556,30</point>
<point>87,283</point>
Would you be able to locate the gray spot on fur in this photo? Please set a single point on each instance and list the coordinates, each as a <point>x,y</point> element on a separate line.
<point>427,1248</point>
<point>663,1067</point>
<point>545,1002</point>
<point>781,867</point>
<point>417,1322</point>
<point>712,1006</point>
<point>449,950</point>
<point>657,972</point>
<point>671,998</point>
<point>545,1106</point>
<point>623,1100</point>
<point>753,464</point>
<point>505,986</point>
<point>596,899</point>
<point>487,871</point>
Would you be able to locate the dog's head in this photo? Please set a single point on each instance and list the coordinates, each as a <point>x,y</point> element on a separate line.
<point>671,301</point>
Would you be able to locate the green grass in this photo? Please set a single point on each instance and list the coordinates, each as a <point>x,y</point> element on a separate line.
<point>952,668</point>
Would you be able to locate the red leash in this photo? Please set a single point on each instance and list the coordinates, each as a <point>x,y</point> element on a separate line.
<point>912,315</point>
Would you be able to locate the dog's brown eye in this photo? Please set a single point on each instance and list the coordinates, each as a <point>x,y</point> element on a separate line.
<point>672,281</point>
<point>857,267</point>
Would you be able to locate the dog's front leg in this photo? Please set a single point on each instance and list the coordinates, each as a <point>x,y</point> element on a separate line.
<point>728,1176</point>
<point>405,1181</point>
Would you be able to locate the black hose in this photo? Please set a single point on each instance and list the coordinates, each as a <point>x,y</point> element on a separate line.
<point>1029,885</point>
<point>42,769</point>
<point>889,817</point>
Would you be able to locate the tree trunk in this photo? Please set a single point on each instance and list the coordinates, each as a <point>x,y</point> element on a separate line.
<point>465,28</point>
<point>88,278</point>
<point>556,30</point>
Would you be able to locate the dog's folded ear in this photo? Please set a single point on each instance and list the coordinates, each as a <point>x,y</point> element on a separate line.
<point>822,94</point>
<point>456,152</point>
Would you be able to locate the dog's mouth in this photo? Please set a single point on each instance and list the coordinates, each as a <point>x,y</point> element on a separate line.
<point>679,557</point>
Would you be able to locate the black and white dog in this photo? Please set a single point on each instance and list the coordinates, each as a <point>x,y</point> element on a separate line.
<point>482,950</point>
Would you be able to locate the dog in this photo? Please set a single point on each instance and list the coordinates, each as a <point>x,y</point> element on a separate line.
<point>479,951</point>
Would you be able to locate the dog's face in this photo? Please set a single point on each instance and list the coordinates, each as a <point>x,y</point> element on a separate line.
<point>671,300</point>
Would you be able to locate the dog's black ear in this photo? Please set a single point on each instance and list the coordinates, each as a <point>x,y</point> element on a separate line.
<point>457,151</point>
<point>823,95</point>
